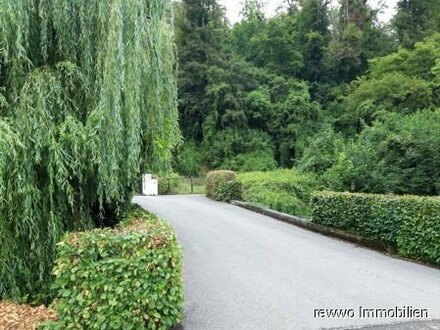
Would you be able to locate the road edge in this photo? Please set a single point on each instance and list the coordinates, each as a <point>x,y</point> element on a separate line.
<point>328,231</point>
<point>317,228</point>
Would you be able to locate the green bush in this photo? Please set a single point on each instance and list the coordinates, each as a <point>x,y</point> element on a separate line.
<point>376,217</point>
<point>411,224</point>
<point>169,183</point>
<point>261,160</point>
<point>222,186</point>
<point>228,190</point>
<point>124,278</point>
<point>188,159</point>
<point>322,151</point>
<point>397,155</point>
<point>286,191</point>
<point>238,149</point>
<point>420,235</point>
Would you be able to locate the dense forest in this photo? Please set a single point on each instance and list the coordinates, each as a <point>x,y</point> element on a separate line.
<point>329,90</point>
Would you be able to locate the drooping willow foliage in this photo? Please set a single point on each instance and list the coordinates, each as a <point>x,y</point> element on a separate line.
<point>87,102</point>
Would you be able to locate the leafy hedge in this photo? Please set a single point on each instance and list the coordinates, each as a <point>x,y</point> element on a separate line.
<point>286,191</point>
<point>222,185</point>
<point>124,278</point>
<point>411,224</point>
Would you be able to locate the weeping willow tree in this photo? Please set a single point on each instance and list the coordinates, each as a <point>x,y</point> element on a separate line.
<point>87,102</point>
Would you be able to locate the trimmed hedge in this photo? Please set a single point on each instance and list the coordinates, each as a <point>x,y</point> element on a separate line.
<point>285,191</point>
<point>222,186</point>
<point>410,224</point>
<point>124,278</point>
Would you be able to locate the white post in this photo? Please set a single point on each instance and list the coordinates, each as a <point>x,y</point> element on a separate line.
<point>150,186</point>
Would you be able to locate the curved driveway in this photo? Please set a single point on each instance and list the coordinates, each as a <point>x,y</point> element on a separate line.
<point>251,272</point>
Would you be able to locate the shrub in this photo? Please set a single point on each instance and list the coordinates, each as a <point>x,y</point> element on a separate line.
<point>188,159</point>
<point>228,190</point>
<point>124,278</point>
<point>411,224</point>
<point>234,149</point>
<point>376,217</point>
<point>261,160</point>
<point>222,186</point>
<point>397,155</point>
<point>419,236</point>
<point>169,183</point>
<point>322,151</point>
<point>283,190</point>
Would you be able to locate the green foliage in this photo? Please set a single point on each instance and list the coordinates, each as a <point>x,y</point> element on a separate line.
<point>420,235</point>
<point>401,82</point>
<point>357,37</point>
<point>373,98</point>
<point>228,190</point>
<point>376,217</point>
<point>416,19</point>
<point>322,151</point>
<point>88,101</point>
<point>294,121</point>
<point>168,183</point>
<point>200,36</point>
<point>313,37</point>
<point>286,191</point>
<point>268,43</point>
<point>188,159</point>
<point>258,108</point>
<point>409,223</point>
<point>262,160</point>
<point>247,79</point>
<point>417,62</point>
<point>234,149</point>
<point>124,278</point>
<point>344,55</point>
<point>244,38</point>
<point>274,119</point>
<point>315,87</point>
<point>222,185</point>
<point>399,155</point>
<point>228,85</point>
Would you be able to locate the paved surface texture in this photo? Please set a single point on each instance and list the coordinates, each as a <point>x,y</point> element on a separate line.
<point>248,271</point>
<point>415,325</point>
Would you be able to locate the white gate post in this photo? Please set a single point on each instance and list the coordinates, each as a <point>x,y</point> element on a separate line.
<point>150,186</point>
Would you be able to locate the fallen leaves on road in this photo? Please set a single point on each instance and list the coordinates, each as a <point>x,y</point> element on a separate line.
<point>23,317</point>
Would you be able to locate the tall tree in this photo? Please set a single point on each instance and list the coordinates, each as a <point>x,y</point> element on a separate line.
<point>313,37</point>
<point>357,36</point>
<point>269,43</point>
<point>416,19</point>
<point>253,9</point>
<point>201,28</point>
<point>290,5</point>
<point>245,38</point>
<point>295,119</point>
<point>89,101</point>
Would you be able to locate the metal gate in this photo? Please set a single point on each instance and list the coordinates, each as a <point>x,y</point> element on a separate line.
<point>181,186</point>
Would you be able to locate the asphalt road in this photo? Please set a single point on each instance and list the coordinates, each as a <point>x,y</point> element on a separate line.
<point>251,272</point>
